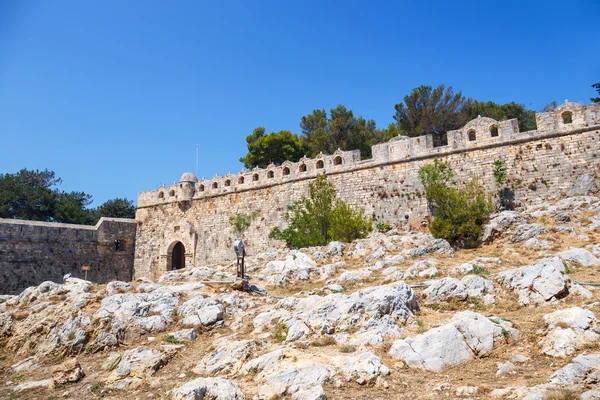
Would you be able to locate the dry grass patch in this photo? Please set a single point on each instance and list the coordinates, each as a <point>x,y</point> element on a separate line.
<point>323,341</point>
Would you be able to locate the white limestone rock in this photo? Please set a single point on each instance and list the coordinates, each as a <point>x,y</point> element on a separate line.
<point>296,266</point>
<point>568,330</point>
<point>468,335</point>
<point>228,358</point>
<point>294,380</point>
<point>522,232</point>
<point>445,289</point>
<point>580,257</point>
<point>139,363</point>
<point>537,283</point>
<point>500,224</point>
<point>364,368</point>
<point>208,388</point>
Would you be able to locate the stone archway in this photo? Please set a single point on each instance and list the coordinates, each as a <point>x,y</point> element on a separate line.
<point>177,257</point>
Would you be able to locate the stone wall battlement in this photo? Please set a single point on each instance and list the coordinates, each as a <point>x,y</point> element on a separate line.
<point>478,133</point>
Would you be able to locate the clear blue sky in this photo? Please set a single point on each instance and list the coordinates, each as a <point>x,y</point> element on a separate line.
<point>114,95</point>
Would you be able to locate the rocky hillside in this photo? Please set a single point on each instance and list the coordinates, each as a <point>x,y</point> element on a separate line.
<point>397,315</point>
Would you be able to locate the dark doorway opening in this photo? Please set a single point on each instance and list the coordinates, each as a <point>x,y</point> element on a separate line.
<point>178,256</point>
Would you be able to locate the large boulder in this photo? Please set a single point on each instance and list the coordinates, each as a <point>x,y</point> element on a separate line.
<point>580,257</point>
<point>569,330</point>
<point>134,365</point>
<point>468,335</point>
<point>445,289</point>
<point>522,232</point>
<point>199,311</point>
<point>500,224</point>
<point>537,283</point>
<point>296,266</point>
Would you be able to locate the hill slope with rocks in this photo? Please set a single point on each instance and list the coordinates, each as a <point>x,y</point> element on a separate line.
<point>396,315</point>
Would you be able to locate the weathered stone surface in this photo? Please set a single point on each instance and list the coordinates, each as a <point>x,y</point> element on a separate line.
<point>365,368</point>
<point>537,283</point>
<point>200,311</point>
<point>568,330</point>
<point>140,362</point>
<point>580,257</point>
<point>467,335</point>
<point>208,388</point>
<point>46,383</point>
<point>445,289</point>
<point>500,224</point>
<point>68,372</point>
<point>229,357</point>
<point>584,184</point>
<point>522,232</point>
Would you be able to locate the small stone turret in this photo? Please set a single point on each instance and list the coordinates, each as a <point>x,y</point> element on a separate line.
<point>186,189</point>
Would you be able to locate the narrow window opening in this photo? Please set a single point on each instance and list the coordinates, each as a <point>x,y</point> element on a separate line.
<point>255,177</point>
<point>320,164</point>
<point>567,117</point>
<point>337,160</point>
<point>286,171</point>
<point>227,182</point>
<point>494,130</point>
<point>270,174</point>
<point>241,180</point>
<point>172,193</point>
<point>161,195</point>
<point>302,168</point>
<point>215,185</point>
<point>472,136</point>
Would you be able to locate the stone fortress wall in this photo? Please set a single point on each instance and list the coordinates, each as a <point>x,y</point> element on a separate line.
<point>541,163</point>
<point>32,252</point>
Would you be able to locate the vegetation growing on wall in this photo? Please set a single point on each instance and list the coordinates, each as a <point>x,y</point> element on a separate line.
<point>459,214</point>
<point>33,195</point>
<point>321,217</point>
<point>240,222</point>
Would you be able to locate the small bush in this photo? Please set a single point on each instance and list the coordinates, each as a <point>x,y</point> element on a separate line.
<point>382,226</point>
<point>479,270</point>
<point>321,217</point>
<point>346,348</point>
<point>170,339</point>
<point>94,388</point>
<point>458,214</point>
<point>323,341</point>
<point>281,332</point>
<point>499,171</point>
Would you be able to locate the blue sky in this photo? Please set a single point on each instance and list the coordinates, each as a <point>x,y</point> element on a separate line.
<point>114,95</point>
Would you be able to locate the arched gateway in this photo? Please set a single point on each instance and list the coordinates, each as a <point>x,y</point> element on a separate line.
<point>177,256</point>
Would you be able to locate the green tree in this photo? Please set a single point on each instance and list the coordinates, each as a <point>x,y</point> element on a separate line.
<point>459,215</point>
<point>316,219</point>
<point>114,208</point>
<point>597,87</point>
<point>28,195</point>
<point>276,147</point>
<point>314,132</point>
<point>71,208</point>
<point>501,112</point>
<point>431,111</point>
<point>342,130</point>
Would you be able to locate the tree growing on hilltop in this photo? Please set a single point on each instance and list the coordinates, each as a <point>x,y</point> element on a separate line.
<point>276,147</point>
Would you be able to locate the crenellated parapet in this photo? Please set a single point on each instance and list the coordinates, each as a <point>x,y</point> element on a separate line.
<point>478,133</point>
